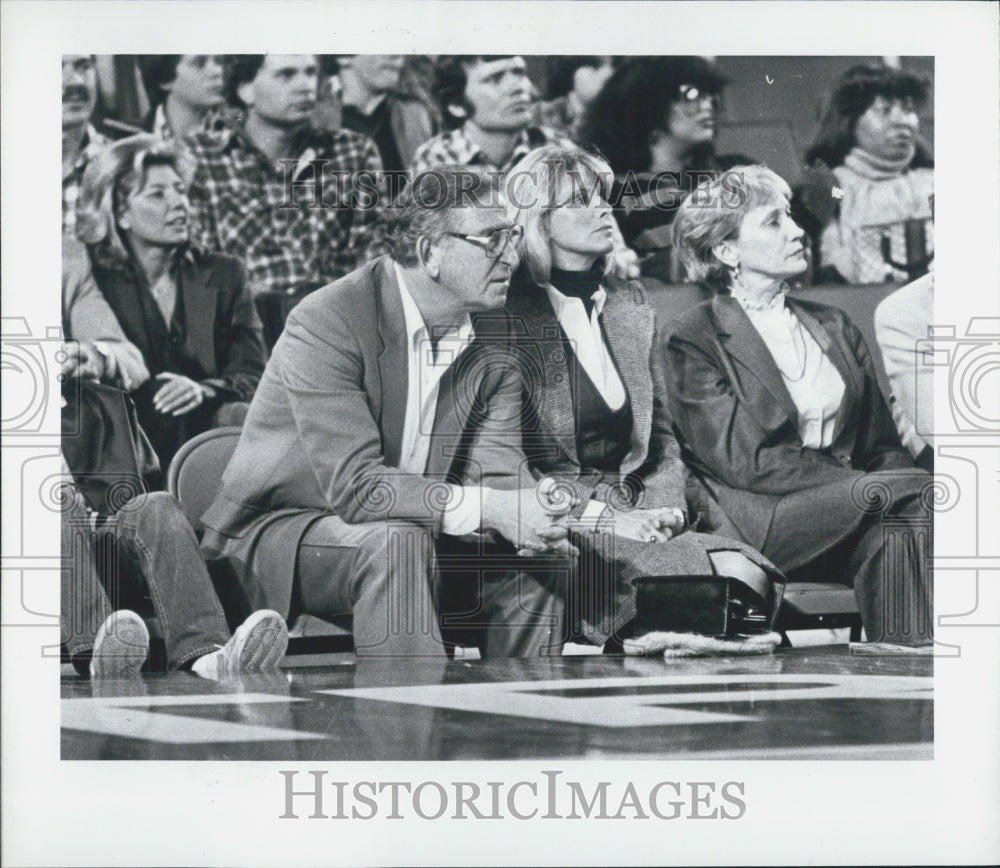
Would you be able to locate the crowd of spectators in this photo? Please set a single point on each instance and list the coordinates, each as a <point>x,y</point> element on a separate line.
<point>252,177</point>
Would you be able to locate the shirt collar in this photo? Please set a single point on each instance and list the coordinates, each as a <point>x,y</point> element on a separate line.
<point>161,129</point>
<point>560,302</point>
<point>416,329</point>
<point>752,305</point>
<point>474,153</point>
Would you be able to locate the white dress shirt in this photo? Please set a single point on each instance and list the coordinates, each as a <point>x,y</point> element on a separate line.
<point>426,365</point>
<point>592,351</point>
<point>588,342</point>
<point>814,384</point>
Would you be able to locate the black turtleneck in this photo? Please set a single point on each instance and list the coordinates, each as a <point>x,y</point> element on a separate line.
<point>578,284</point>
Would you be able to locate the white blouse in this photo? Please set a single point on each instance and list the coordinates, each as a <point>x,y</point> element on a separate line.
<point>813,382</point>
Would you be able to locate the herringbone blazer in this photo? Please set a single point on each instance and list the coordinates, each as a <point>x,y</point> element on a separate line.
<point>651,473</point>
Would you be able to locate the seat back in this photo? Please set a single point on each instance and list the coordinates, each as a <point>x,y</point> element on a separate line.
<point>195,474</point>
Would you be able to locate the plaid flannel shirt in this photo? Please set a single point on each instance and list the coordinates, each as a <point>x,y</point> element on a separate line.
<point>455,147</point>
<point>92,144</point>
<point>291,232</point>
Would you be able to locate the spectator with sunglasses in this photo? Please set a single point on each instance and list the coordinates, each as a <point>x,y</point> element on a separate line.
<point>655,121</point>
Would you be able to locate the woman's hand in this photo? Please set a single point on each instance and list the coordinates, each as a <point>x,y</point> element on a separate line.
<point>644,525</point>
<point>179,395</point>
<point>82,360</point>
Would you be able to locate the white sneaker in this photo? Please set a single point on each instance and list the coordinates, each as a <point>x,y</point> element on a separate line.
<point>121,646</point>
<point>258,645</point>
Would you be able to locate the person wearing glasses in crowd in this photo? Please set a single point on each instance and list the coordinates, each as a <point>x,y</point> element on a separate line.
<point>187,94</point>
<point>655,120</point>
<point>780,416</point>
<point>384,432</point>
<point>594,402</point>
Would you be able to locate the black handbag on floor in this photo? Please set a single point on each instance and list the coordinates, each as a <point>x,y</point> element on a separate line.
<point>709,605</point>
<point>107,452</point>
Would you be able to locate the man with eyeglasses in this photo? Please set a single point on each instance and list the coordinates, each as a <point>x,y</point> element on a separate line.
<point>379,479</point>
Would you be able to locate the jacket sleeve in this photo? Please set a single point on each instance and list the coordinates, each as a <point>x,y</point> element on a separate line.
<point>663,481</point>
<point>88,318</point>
<point>239,340</point>
<point>878,444</point>
<point>714,422</point>
<point>322,370</point>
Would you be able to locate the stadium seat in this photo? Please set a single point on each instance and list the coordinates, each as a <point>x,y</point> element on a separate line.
<point>194,478</point>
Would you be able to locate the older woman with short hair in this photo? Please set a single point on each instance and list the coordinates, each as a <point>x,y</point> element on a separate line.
<point>594,404</point>
<point>778,411</point>
<point>190,313</point>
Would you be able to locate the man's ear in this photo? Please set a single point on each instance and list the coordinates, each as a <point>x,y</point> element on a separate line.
<point>429,255</point>
<point>245,93</point>
<point>725,252</point>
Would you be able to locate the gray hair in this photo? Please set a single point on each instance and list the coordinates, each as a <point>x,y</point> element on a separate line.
<point>424,209</point>
<point>714,212</point>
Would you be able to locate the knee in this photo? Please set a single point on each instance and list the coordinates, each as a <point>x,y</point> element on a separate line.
<point>232,413</point>
<point>737,566</point>
<point>156,512</point>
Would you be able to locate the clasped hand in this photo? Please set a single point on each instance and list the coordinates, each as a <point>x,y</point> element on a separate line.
<point>532,519</point>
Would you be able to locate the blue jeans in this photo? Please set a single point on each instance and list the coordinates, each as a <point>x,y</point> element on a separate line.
<point>148,545</point>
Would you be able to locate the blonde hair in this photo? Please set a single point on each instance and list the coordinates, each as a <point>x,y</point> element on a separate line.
<point>115,174</point>
<point>531,189</point>
<point>714,212</point>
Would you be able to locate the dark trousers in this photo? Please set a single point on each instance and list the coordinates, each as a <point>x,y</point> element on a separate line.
<point>876,529</point>
<point>407,594</point>
<point>148,545</point>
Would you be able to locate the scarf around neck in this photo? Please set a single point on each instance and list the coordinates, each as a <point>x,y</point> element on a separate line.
<point>866,164</point>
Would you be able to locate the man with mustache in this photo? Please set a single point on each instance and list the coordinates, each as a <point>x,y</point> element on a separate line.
<point>300,206</point>
<point>378,475</point>
<point>487,103</point>
<point>80,140</point>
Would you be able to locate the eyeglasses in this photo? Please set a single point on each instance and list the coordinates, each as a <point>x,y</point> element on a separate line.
<point>688,94</point>
<point>494,243</point>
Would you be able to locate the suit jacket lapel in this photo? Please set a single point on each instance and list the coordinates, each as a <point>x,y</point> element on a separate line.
<point>393,361</point>
<point>831,341</point>
<point>629,331</point>
<point>744,343</point>
<point>199,313</point>
<point>532,315</point>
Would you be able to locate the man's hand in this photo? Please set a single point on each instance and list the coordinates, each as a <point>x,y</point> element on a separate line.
<point>528,519</point>
<point>645,525</point>
<point>83,361</point>
<point>179,395</point>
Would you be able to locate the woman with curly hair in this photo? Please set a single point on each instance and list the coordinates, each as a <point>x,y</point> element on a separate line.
<point>866,199</point>
<point>655,120</point>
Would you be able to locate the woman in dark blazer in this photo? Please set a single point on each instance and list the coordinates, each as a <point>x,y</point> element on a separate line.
<point>594,403</point>
<point>778,411</point>
<point>190,313</point>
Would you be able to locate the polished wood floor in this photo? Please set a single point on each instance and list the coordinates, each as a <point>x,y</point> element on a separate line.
<point>806,703</point>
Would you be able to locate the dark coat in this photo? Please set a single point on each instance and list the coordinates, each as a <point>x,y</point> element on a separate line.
<point>738,426</point>
<point>324,431</point>
<point>651,474</point>
<point>223,337</point>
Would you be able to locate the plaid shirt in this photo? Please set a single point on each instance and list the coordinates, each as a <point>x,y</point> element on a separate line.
<point>455,147</point>
<point>92,144</point>
<point>216,121</point>
<point>288,230</point>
